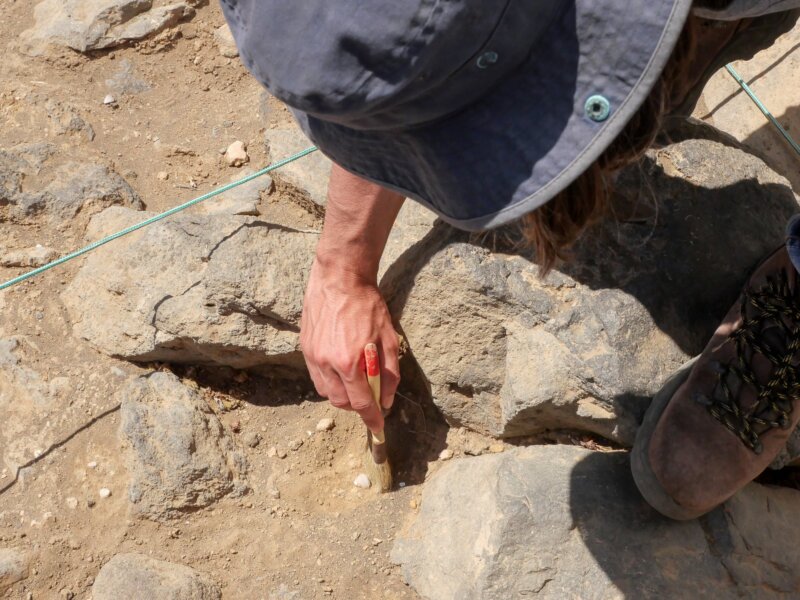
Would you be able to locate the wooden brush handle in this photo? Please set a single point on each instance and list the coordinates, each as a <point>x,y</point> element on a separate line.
<point>373,367</point>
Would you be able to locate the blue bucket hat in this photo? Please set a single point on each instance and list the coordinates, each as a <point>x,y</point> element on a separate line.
<point>482,111</point>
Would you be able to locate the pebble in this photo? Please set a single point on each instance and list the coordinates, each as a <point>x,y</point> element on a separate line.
<point>362,481</point>
<point>92,464</point>
<point>326,424</point>
<point>272,452</point>
<point>413,504</point>
<point>446,454</point>
<point>236,154</point>
<point>281,453</point>
<point>72,502</point>
<point>252,439</point>
<point>162,175</point>
<point>295,444</point>
<point>104,492</point>
<point>109,99</point>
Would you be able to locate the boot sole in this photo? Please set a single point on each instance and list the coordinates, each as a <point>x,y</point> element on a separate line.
<point>643,474</point>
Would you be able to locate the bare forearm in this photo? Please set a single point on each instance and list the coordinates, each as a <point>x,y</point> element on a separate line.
<point>358,219</point>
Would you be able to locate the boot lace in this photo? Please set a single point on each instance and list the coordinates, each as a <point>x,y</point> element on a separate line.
<point>774,306</point>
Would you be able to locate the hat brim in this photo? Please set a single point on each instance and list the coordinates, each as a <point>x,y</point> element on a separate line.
<point>530,137</point>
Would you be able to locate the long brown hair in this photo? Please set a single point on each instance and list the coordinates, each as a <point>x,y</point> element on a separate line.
<point>551,229</point>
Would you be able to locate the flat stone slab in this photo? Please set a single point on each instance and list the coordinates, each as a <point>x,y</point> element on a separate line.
<point>563,522</point>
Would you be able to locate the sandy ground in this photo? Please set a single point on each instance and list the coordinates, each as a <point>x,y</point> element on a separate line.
<point>318,536</point>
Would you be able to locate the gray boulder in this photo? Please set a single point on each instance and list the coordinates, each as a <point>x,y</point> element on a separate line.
<point>179,456</point>
<point>310,174</point>
<point>219,290</point>
<point>509,354</point>
<point>563,522</point>
<point>13,568</point>
<point>135,576</point>
<point>85,25</point>
<point>27,427</point>
<point>73,189</point>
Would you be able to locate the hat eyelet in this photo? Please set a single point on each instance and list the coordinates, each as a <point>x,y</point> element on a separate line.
<point>487,59</point>
<point>597,108</point>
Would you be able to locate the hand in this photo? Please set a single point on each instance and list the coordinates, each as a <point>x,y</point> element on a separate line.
<point>343,310</point>
<point>342,313</point>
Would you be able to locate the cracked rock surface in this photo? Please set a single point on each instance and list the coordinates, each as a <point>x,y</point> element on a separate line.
<point>510,354</point>
<point>179,456</point>
<point>220,290</point>
<point>564,522</point>
<point>85,25</point>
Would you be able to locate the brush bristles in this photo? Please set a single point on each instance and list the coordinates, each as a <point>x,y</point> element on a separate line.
<point>379,474</point>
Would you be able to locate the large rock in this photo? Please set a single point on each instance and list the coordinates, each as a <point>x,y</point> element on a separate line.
<point>27,427</point>
<point>13,568</point>
<point>219,290</point>
<point>73,188</point>
<point>85,25</point>
<point>179,456</point>
<point>563,522</point>
<point>135,576</point>
<point>311,173</point>
<point>509,354</point>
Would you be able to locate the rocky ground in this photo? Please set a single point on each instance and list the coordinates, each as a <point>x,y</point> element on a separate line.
<point>159,437</point>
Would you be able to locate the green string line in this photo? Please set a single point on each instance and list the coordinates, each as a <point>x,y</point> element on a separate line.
<point>743,84</point>
<point>158,217</point>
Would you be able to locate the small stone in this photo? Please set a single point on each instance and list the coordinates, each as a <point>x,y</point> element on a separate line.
<point>109,99</point>
<point>225,42</point>
<point>67,594</point>
<point>446,454</point>
<point>104,492</point>
<point>497,448</point>
<point>272,452</point>
<point>236,427</point>
<point>90,502</point>
<point>72,502</point>
<point>162,175</point>
<point>294,445</point>
<point>236,154</point>
<point>412,504</point>
<point>281,453</point>
<point>377,541</point>
<point>355,536</point>
<point>326,424</point>
<point>362,481</point>
<point>252,439</point>
<point>274,493</point>
<point>92,464</point>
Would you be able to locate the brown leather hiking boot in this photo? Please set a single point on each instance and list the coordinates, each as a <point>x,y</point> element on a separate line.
<point>720,421</point>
